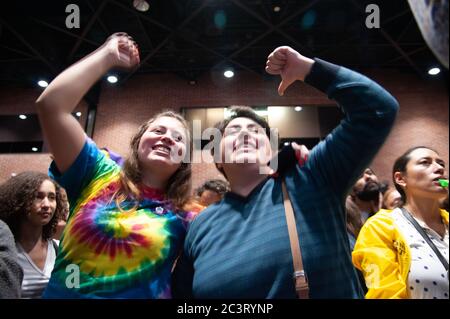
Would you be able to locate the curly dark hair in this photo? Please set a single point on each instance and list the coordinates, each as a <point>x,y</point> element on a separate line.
<point>16,199</point>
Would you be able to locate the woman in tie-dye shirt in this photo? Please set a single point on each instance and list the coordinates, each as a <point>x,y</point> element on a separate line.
<point>125,227</point>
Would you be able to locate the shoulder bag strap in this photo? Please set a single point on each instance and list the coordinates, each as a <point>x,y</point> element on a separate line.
<point>425,236</point>
<point>300,279</point>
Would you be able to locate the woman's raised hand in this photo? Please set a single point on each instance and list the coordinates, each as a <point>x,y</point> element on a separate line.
<point>121,51</point>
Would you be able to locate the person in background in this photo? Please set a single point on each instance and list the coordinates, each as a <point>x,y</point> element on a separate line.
<point>364,201</point>
<point>354,222</point>
<point>31,205</point>
<point>212,191</point>
<point>11,273</point>
<point>366,194</point>
<point>391,198</point>
<point>404,253</point>
<point>384,187</point>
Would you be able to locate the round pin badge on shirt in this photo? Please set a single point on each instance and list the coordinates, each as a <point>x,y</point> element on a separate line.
<point>159,210</point>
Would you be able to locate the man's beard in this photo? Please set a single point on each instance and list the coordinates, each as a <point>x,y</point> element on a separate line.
<point>371,191</point>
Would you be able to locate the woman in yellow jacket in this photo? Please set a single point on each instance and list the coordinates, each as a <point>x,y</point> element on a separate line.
<point>392,249</point>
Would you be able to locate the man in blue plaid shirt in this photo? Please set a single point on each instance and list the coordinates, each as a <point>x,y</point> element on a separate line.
<point>239,247</point>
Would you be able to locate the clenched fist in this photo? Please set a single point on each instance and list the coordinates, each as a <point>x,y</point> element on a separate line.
<point>121,51</point>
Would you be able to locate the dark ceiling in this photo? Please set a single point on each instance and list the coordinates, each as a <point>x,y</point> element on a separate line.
<point>190,37</point>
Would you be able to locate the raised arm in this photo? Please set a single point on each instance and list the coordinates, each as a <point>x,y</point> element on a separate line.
<point>61,130</point>
<point>369,110</point>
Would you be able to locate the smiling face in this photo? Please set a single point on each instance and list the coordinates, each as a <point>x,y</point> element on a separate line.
<point>423,170</point>
<point>245,141</point>
<point>163,145</point>
<point>44,204</point>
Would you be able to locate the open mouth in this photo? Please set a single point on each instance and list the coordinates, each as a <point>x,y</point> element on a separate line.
<point>162,148</point>
<point>441,181</point>
<point>245,147</point>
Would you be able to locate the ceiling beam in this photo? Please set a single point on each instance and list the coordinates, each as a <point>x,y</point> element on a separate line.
<point>175,32</point>
<point>29,46</point>
<point>18,51</point>
<point>401,51</point>
<point>142,15</point>
<point>172,34</point>
<point>50,26</point>
<point>405,29</point>
<point>388,20</point>
<point>87,29</point>
<point>177,68</point>
<point>144,31</point>
<point>18,60</point>
<point>408,53</point>
<point>393,43</point>
<point>99,20</point>
<point>224,57</point>
<point>263,5</point>
<point>273,27</point>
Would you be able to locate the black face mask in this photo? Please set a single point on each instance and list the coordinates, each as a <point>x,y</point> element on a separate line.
<point>371,191</point>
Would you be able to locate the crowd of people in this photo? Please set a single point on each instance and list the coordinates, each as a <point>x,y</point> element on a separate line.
<point>133,228</point>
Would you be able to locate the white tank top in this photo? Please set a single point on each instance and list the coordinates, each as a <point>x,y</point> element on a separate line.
<point>35,280</point>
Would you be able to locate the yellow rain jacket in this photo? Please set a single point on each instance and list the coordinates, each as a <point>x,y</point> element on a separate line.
<point>383,255</point>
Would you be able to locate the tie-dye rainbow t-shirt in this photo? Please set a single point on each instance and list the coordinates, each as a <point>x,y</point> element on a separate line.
<point>106,253</point>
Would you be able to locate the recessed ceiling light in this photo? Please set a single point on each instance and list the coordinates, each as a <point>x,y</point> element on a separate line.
<point>43,84</point>
<point>78,114</point>
<point>276,9</point>
<point>112,79</point>
<point>22,117</point>
<point>141,5</point>
<point>434,71</point>
<point>34,149</point>
<point>298,108</point>
<point>228,74</point>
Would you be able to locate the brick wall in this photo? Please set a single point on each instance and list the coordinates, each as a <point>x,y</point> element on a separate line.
<point>423,117</point>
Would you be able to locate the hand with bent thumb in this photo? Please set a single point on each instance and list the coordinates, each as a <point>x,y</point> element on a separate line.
<point>289,64</point>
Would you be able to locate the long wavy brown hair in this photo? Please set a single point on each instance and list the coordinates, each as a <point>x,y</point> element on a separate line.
<point>179,184</point>
<point>353,217</point>
<point>16,199</point>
